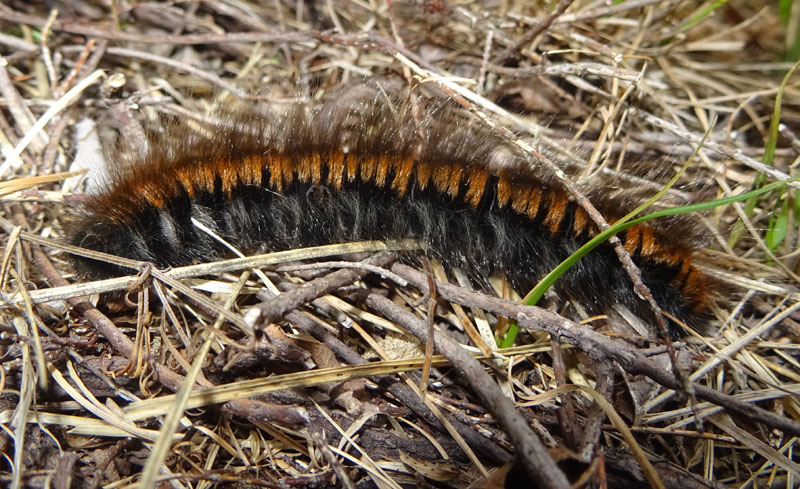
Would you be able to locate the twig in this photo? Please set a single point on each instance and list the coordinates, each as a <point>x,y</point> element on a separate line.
<point>189,271</point>
<point>204,74</point>
<point>284,415</point>
<point>273,310</point>
<point>60,105</point>
<point>599,347</point>
<point>540,27</point>
<point>169,39</point>
<point>533,455</point>
<point>48,60</point>
<point>16,105</point>
<point>366,267</point>
<point>489,451</point>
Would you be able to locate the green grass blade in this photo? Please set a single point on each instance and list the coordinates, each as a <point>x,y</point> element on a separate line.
<point>618,227</point>
<point>702,15</point>
<point>767,159</point>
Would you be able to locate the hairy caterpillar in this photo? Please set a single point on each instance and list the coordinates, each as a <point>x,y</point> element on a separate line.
<point>368,169</point>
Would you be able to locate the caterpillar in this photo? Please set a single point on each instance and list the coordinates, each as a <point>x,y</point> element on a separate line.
<point>365,167</point>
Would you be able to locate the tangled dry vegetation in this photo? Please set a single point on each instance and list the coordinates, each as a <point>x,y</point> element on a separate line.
<point>323,386</point>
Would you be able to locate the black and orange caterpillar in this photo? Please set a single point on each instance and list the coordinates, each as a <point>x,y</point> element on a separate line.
<point>367,169</point>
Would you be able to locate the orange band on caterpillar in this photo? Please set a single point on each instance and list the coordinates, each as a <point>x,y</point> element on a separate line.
<point>331,174</point>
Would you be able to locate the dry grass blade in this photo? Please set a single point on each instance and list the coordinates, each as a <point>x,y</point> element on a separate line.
<point>255,387</point>
<point>164,441</point>
<point>12,160</point>
<point>122,283</point>
<point>17,184</point>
